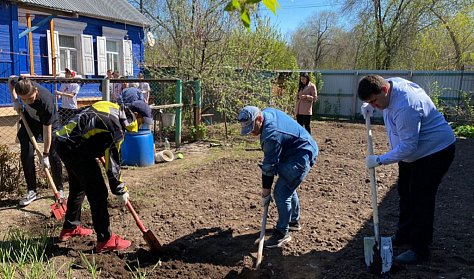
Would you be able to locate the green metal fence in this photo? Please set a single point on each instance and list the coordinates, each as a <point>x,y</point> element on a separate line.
<point>168,98</point>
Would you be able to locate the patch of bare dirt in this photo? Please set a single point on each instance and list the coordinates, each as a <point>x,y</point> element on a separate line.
<point>205,209</point>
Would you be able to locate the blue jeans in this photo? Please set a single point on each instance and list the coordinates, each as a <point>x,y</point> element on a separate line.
<point>291,174</point>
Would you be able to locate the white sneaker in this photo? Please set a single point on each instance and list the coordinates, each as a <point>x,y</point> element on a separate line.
<point>29,198</point>
<point>62,195</point>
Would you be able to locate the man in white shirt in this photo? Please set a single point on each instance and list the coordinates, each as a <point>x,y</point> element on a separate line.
<point>423,145</point>
<point>68,93</point>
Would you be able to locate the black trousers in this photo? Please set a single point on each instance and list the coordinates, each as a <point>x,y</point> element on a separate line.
<point>85,179</point>
<point>305,121</point>
<point>418,184</point>
<point>27,153</point>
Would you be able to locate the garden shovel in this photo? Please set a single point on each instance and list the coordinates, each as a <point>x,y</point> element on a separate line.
<point>148,235</point>
<point>377,250</point>
<point>58,209</point>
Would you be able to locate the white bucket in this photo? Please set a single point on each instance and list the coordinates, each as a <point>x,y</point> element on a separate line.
<point>168,119</point>
<point>164,156</point>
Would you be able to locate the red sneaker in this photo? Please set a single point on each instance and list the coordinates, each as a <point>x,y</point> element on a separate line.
<point>115,242</point>
<point>78,231</point>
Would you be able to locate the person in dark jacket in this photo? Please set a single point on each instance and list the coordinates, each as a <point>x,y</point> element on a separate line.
<point>96,132</point>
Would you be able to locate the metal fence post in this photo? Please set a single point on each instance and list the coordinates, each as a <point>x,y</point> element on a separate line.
<point>179,110</point>
<point>354,96</point>
<point>106,89</point>
<point>198,105</point>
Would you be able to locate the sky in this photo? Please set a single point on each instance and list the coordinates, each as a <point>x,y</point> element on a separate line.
<point>293,12</point>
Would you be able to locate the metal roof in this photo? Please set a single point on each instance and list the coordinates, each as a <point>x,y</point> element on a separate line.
<point>113,10</point>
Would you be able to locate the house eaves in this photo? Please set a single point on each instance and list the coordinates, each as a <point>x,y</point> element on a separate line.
<point>112,10</point>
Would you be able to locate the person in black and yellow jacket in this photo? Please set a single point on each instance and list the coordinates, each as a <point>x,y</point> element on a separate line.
<point>97,131</point>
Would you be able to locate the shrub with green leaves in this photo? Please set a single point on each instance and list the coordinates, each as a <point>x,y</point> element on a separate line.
<point>464,131</point>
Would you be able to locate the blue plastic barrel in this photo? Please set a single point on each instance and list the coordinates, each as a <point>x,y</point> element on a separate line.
<point>138,149</point>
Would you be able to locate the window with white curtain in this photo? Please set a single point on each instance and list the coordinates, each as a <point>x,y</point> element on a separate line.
<point>113,58</point>
<point>67,52</point>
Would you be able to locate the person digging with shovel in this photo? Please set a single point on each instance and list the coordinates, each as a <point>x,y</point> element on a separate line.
<point>96,132</point>
<point>289,152</point>
<point>423,145</point>
<point>42,119</point>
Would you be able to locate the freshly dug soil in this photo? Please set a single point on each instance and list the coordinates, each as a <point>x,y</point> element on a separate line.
<point>205,209</point>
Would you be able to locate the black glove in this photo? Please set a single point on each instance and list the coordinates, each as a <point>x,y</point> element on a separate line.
<point>267,181</point>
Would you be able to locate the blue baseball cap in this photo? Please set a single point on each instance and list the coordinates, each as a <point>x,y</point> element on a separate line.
<point>143,109</point>
<point>247,118</point>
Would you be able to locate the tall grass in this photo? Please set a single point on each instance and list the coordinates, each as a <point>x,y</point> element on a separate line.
<point>25,256</point>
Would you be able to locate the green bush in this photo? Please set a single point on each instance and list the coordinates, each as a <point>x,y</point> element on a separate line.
<point>198,133</point>
<point>464,131</point>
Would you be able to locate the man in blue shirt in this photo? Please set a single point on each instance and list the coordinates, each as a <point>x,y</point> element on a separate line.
<point>130,94</point>
<point>290,152</point>
<point>422,143</point>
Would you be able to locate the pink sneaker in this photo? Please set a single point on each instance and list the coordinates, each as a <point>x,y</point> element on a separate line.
<point>115,242</point>
<point>78,231</point>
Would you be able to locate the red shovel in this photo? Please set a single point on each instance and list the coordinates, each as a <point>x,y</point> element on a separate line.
<point>59,207</point>
<point>148,235</point>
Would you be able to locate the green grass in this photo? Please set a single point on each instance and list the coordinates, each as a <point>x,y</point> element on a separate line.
<point>24,256</point>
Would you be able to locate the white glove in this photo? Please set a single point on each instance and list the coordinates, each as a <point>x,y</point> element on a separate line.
<point>372,161</point>
<point>123,198</point>
<point>267,200</point>
<point>17,106</point>
<point>367,110</point>
<point>45,163</point>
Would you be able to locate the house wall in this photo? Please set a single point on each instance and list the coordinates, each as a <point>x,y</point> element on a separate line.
<point>7,45</point>
<point>14,52</point>
<point>94,28</point>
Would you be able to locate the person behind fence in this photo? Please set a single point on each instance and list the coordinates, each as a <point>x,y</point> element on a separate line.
<point>307,95</point>
<point>116,87</point>
<point>96,132</point>
<point>423,145</point>
<point>68,93</point>
<point>130,94</point>
<point>289,151</point>
<point>42,119</point>
<point>144,87</point>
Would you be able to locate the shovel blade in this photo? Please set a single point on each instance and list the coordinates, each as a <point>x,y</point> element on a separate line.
<point>386,252</point>
<point>369,243</point>
<point>58,210</point>
<point>151,240</point>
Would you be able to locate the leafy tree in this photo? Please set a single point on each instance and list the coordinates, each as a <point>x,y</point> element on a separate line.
<point>264,48</point>
<point>320,43</point>
<point>245,8</point>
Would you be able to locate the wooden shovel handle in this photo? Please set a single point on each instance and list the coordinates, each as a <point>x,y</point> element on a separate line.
<point>135,216</point>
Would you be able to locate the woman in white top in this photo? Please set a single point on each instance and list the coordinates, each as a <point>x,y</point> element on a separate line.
<point>68,93</point>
